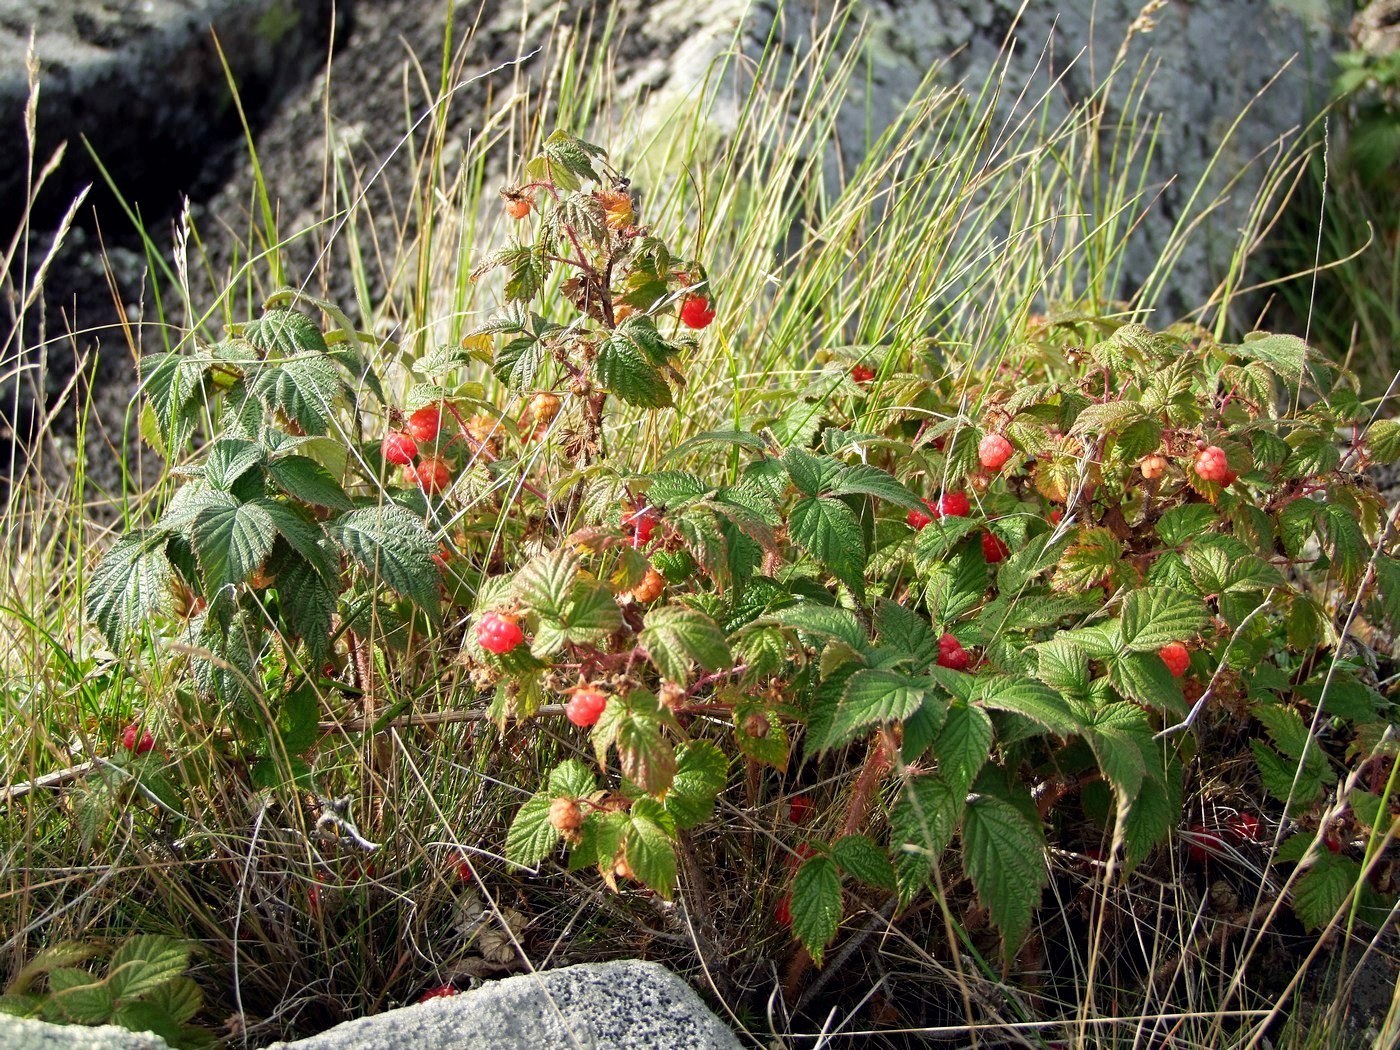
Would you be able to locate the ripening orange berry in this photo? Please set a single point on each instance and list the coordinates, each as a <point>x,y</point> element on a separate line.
<point>618,213</point>
<point>1153,467</point>
<point>653,583</point>
<point>518,207</point>
<point>543,407</point>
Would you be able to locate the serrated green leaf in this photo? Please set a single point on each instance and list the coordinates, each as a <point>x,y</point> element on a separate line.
<point>1383,440</point>
<point>600,840</point>
<point>531,836</point>
<point>865,480</point>
<point>1094,556</point>
<point>649,849</point>
<point>76,997</point>
<point>571,779</point>
<point>1029,699</point>
<point>286,333</point>
<point>145,962</point>
<point>231,540</point>
<point>622,367</point>
<point>302,478</point>
<point>1324,888</point>
<point>816,905</point>
<point>301,534</point>
<point>18,1004</point>
<point>179,999</point>
<point>1287,355</point>
<point>1145,678</point>
<point>1278,776</point>
<point>304,390</point>
<point>1063,665</point>
<point>701,771</point>
<point>394,547</point>
<point>824,621</point>
<point>874,697</point>
<point>1118,737</point>
<point>1157,616</point>
<point>1004,856</point>
<point>860,858</point>
<point>963,746</point>
<point>1151,816</point>
<point>675,637</point>
<point>228,459</point>
<point>144,1016</point>
<point>546,582</point>
<point>921,826</point>
<point>828,530</point>
<point>307,604</point>
<point>1182,524</point>
<point>644,755</point>
<point>129,585</point>
<point>907,631</point>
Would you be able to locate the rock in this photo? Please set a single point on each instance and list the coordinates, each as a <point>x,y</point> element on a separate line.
<point>1209,60</point>
<point>628,1005</point>
<point>596,1006</point>
<point>142,80</point>
<point>20,1034</point>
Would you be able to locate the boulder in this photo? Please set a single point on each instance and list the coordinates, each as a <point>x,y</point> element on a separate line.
<point>20,1034</point>
<point>628,1005</point>
<point>1206,61</point>
<point>145,84</point>
<point>595,1006</point>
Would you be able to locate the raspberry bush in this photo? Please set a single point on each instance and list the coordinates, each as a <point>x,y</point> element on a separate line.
<point>1022,609</point>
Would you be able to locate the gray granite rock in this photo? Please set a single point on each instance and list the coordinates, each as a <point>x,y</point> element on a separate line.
<point>627,1005</point>
<point>593,1006</point>
<point>17,1034</point>
<point>1208,60</point>
<point>142,80</point>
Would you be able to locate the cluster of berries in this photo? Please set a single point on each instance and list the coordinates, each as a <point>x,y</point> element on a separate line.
<point>136,740</point>
<point>401,447</point>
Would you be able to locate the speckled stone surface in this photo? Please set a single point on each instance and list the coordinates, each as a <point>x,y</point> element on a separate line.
<point>626,1005</point>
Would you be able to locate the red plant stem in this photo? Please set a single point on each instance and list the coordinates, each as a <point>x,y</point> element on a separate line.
<point>877,761</point>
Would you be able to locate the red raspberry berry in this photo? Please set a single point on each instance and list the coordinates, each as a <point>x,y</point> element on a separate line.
<point>425,423</point>
<point>801,808</point>
<point>133,739</point>
<point>1244,827</point>
<point>782,912</point>
<point>1332,841</point>
<point>398,448</point>
<point>862,373</point>
<point>951,654</point>
<point>585,707</point>
<point>994,451</point>
<point>433,475</point>
<point>917,519</point>
<point>643,524</point>
<point>442,991</point>
<point>1202,844</point>
<point>993,549</point>
<point>498,634</point>
<point>1176,658</point>
<point>1056,516</point>
<point>518,207</point>
<point>1211,465</point>
<point>696,312</point>
<point>953,505</point>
